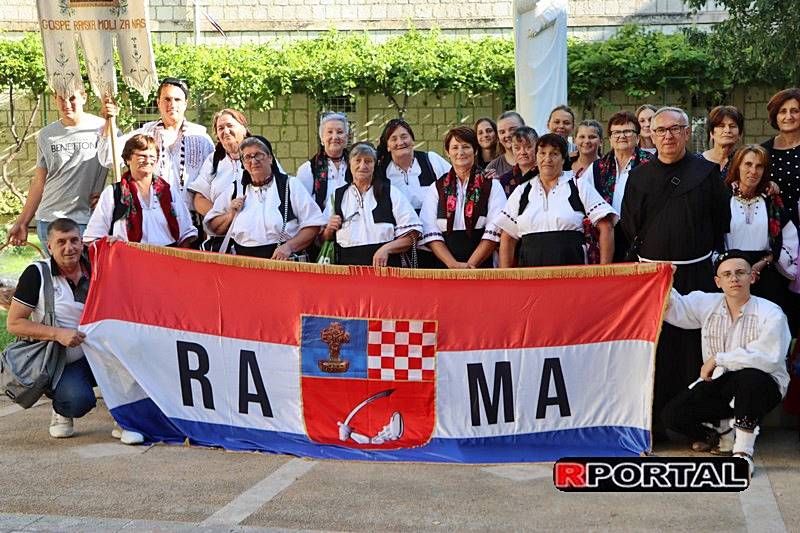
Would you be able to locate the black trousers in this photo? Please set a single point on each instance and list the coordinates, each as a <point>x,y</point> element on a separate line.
<point>756,395</point>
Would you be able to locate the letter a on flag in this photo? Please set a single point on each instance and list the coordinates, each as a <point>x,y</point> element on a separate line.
<point>97,23</point>
<point>368,383</point>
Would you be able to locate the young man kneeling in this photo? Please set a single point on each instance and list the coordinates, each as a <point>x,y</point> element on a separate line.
<point>745,341</point>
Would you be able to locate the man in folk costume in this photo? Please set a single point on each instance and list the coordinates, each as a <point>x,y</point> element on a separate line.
<point>183,145</point>
<point>676,209</point>
<point>743,377</point>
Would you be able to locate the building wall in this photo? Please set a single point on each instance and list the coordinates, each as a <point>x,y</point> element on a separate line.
<point>259,20</point>
<point>292,124</point>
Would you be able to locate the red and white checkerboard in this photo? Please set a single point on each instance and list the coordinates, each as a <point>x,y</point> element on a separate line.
<point>401,350</point>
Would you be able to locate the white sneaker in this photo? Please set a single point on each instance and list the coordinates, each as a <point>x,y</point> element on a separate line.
<point>125,436</point>
<point>61,427</point>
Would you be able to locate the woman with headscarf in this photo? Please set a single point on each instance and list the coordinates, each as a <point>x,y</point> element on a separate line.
<point>273,216</point>
<point>371,222</point>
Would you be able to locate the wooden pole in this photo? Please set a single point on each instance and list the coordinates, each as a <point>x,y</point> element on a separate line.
<point>112,134</point>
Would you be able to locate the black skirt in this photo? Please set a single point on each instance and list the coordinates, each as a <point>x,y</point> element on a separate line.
<point>552,248</point>
<point>213,244</point>
<point>264,251</point>
<point>361,255</point>
<point>462,245</point>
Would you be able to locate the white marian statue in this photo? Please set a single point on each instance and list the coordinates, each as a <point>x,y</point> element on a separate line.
<point>540,34</point>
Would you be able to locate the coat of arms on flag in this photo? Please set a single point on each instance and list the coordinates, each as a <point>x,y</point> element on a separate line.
<point>368,383</point>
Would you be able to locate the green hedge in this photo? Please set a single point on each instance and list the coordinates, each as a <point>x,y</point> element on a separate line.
<point>635,61</point>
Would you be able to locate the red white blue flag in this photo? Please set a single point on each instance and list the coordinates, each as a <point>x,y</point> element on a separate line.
<point>355,363</point>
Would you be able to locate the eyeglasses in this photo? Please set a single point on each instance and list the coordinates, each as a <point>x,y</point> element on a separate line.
<point>674,130</point>
<point>254,157</point>
<point>740,273</point>
<point>622,133</point>
<point>144,157</point>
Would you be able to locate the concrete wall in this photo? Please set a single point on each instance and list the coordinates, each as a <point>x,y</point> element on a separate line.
<point>292,124</point>
<point>259,20</point>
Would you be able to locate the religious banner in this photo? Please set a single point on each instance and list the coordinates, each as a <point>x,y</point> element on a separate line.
<point>390,364</point>
<point>97,23</point>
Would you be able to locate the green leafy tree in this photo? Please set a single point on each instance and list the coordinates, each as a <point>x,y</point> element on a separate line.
<point>22,75</point>
<point>641,63</point>
<point>759,41</point>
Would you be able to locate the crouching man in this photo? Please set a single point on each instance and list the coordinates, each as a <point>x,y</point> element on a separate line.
<point>745,341</point>
<point>73,395</point>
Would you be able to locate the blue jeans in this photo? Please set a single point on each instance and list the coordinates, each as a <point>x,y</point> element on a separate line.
<point>41,231</point>
<point>74,396</point>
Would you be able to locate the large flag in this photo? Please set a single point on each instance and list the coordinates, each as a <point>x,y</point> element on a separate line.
<point>97,23</point>
<point>355,363</point>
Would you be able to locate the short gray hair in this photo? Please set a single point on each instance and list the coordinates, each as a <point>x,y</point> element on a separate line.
<point>328,117</point>
<point>361,149</point>
<point>676,110</point>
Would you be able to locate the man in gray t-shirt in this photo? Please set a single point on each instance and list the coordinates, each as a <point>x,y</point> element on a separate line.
<point>68,176</point>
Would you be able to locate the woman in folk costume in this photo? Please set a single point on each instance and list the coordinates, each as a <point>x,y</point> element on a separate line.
<point>410,171</point>
<point>142,207</point>
<point>222,169</point>
<point>546,214</point>
<point>371,221</point>
<point>273,216</point>
<point>458,209</point>
<point>325,171</point>
<point>760,225</point>
<point>609,174</point>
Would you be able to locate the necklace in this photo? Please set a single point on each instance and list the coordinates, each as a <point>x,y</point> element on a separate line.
<point>163,152</point>
<point>749,207</point>
<point>737,191</point>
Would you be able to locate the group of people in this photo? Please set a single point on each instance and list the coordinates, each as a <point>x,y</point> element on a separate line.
<point>507,197</point>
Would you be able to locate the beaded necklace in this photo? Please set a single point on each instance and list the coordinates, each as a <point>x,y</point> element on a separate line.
<point>163,150</point>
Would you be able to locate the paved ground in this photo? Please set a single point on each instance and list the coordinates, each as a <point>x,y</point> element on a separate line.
<point>92,483</point>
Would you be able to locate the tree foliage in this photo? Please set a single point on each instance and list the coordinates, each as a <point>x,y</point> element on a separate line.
<point>642,63</point>
<point>759,41</point>
<point>22,64</point>
<point>635,61</point>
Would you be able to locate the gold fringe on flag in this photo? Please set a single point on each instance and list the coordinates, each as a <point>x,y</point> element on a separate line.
<point>557,272</point>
